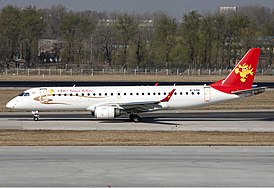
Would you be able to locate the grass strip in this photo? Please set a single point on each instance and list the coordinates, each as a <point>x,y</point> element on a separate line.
<point>133,138</point>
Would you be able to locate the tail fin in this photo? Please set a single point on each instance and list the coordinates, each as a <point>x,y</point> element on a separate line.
<point>242,76</point>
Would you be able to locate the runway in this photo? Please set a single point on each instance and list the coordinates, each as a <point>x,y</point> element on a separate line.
<point>137,166</point>
<point>259,121</point>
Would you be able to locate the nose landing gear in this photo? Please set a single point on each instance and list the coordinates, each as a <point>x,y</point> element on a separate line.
<point>35,115</point>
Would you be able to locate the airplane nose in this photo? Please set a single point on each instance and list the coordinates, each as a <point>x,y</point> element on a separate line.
<point>10,104</point>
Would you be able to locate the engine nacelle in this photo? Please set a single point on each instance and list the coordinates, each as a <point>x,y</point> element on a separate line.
<point>107,112</point>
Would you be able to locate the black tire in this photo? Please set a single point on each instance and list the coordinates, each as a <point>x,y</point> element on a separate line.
<point>135,118</point>
<point>35,118</point>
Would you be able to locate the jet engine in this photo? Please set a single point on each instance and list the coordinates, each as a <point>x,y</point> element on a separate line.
<point>107,112</point>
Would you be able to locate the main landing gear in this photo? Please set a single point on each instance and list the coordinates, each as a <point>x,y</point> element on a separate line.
<point>35,115</point>
<point>135,118</point>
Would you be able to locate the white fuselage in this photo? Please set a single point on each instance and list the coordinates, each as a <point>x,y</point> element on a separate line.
<point>87,98</point>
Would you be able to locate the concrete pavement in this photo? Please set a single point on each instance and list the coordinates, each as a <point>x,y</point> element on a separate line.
<point>137,166</point>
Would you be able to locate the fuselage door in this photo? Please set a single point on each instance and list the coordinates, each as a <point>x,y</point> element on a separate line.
<point>207,94</point>
<point>43,95</point>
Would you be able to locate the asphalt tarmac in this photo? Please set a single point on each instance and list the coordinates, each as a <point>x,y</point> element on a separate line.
<point>259,121</point>
<point>137,166</point>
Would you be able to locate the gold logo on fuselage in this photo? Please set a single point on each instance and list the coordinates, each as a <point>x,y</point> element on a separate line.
<point>244,70</point>
<point>51,91</point>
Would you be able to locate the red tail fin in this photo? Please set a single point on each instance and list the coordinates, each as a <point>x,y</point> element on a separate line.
<point>242,76</point>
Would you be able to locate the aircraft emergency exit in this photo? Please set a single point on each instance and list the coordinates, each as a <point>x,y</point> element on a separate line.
<point>110,102</point>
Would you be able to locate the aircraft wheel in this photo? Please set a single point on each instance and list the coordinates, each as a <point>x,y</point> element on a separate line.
<point>135,118</point>
<point>35,115</point>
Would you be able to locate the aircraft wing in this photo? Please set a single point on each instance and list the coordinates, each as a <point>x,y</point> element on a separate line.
<point>249,92</point>
<point>144,106</point>
<point>140,106</point>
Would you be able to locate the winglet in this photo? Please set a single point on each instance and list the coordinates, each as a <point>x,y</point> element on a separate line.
<point>166,99</point>
<point>156,84</point>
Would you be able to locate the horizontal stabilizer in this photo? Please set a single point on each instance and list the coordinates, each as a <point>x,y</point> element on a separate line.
<point>249,92</point>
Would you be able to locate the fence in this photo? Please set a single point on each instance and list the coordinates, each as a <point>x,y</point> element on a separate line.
<point>91,72</point>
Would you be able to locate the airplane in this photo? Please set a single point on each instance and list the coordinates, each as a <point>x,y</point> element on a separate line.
<point>110,102</point>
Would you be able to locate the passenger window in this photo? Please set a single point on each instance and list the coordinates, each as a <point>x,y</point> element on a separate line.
<point>125,94</point>
<point>181,93</point>
<point>143,93</point>
<point>186,93</point>
<point>70,94</point>
<point>198,93</point>
<point>53,95</point>
<point>154,93</point>
<point>65,94</point>
<point>111,94</point>
<point>94,94</point>
<point>131,93</point>
<point>164,93</point>
<point>137,93</point>
<point>192,93</point>
<point>106,94</point>
<point>83,94</point>
<point>101,94</point>
<point>76,94</point>
<point>148,93</point>
<point>159,93</point>
<point>175,93</point>
<point>88,94</point>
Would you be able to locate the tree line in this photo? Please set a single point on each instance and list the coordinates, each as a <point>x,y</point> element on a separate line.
<point>93,39</point>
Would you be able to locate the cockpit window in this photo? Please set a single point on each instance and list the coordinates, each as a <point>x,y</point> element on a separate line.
<point>25,94</point>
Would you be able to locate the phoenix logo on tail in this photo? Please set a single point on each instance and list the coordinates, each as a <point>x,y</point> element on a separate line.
<point>244,70</point>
